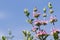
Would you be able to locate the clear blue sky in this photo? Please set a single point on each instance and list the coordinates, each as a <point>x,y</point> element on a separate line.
<point>12,16</point>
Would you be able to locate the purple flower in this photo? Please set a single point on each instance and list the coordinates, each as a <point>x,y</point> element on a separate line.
<point>36,14</point>
<point>41,33</point>
<point>53,19</point>
<point>38,22</point>
<point>34,29</point>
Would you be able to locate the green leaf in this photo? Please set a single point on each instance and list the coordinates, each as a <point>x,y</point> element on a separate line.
<point>44,15</point>
<point>24,32</point>
<point>29,34</point>
<point>30,21</point>
<point>45,37</point>
<point>29,38</point>
<point>3,38</point>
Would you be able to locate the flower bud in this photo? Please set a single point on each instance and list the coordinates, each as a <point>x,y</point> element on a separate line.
<point>26,12</point>
<point>44,10</point>
<point>51,11</point>
<point>30,21</point>
<point>50,5</point>
<point>28,33</point>
<point>36,15</point>
<point>35,9</point>
<point>24,32</point>
<point>29,38</point>
<point>44,15</point>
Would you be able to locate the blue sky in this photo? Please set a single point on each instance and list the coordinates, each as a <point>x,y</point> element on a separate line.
<point>12,16</point>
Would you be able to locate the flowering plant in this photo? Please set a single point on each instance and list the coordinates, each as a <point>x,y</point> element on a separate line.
<point>36,23</point>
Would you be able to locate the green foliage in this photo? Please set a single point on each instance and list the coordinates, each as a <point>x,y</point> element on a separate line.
<point>24,32</point>
<point>56,36</point>
<point>30,21</point>
<point>30,38</point>
<point>27,35</point>
<point>3,38</point>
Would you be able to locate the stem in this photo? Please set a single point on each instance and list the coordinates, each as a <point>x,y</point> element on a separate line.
<point>55,39</point>
<point>42,37</point>
<point>54,24</point>
<point>24,38</point>
<point>28,17</point>
<point>32,25</point>
<point>27,38</point>
<point>39,28</point>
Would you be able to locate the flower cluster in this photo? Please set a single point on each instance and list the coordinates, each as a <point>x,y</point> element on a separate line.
<point>41,33</point>
<point>37,23</point>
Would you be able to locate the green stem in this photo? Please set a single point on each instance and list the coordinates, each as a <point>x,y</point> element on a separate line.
<point>24,38</point>
<point>27,38</point>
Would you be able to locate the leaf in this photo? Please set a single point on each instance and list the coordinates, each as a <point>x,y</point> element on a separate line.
<point>29,34</point>
<point>29,38</point>
<point>45,37</point>
<point>56,36</point>
<point>30,21</point>
<point>27,14</point>
<point>24,32</point>
<point>3,38</point>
